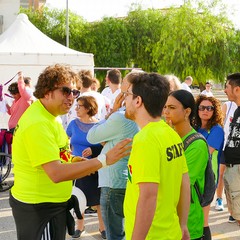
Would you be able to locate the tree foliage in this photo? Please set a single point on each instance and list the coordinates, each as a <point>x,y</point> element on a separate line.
<point>182,41</point>
<point>193,43</point>
<point>112,42</point>
<point>52,22</point>
<point>144,29</point>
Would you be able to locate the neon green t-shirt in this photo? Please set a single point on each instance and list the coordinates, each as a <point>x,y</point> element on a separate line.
<point>39,138</point>
<point>197,157</point>
<point>157,156</point>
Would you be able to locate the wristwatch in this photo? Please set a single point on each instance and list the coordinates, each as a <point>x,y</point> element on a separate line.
<point>103,159</point>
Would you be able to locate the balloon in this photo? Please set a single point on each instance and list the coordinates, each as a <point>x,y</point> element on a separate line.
<point>81,198</point>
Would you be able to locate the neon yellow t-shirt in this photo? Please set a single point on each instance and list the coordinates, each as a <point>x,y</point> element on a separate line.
<point>39,138</point>
<point>157,156</point>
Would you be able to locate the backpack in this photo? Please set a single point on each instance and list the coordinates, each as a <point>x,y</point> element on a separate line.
<point>209,188</point>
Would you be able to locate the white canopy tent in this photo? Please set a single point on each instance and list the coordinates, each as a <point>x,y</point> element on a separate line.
<point>23,47</point>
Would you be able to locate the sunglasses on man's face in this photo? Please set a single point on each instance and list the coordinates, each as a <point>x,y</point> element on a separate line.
<point>67,91</point>
<point>208,108</point>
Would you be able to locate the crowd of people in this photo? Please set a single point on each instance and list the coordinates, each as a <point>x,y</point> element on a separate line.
<point>123,148</point>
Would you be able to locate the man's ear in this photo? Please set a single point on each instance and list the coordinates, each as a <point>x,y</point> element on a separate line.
<point>236,90</point>
<point>47,95</point>
<point>138,101</point>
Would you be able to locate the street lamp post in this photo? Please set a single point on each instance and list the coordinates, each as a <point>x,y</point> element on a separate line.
<point>67,25</point>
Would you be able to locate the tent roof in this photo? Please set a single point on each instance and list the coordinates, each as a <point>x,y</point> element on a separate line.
<point>23,37</point>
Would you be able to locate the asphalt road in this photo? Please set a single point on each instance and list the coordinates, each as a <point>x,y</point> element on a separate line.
<point>220,228</point>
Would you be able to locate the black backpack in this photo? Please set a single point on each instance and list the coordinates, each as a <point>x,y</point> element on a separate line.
<point>209,188</point>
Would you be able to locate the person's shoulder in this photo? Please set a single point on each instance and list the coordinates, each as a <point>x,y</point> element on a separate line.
<point>119,117</point>
<point>105,90</point>
<point>97,94</point>
<point>217,127</point>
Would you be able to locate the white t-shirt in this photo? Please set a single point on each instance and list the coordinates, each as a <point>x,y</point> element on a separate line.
<point>231,107</point>
<point>186,87</point>
<point>207,93</point>
<point>107,92</point>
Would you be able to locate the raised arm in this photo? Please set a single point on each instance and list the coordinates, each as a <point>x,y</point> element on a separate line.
<point>22,88</point>
<point>106,130</point>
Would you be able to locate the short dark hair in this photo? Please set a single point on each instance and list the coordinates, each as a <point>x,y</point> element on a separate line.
<point>234,79</point>
<point>153,88</point>
<point>13,88</point>
<point>86,78</point>
<point>114,76</point>
<point>27,80</point>
<point>90,104</point>
<point>52,77</point>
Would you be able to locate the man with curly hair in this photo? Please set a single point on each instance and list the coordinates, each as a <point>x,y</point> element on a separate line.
<point>43,165</point>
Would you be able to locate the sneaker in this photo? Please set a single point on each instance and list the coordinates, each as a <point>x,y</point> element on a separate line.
<point>103,234</point>
<point>78,233</point>
<point>231,219</point>
<point>219,204</point>
<point>89,210</point>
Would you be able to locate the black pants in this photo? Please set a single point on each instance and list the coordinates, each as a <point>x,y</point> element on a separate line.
<point>32,220</point>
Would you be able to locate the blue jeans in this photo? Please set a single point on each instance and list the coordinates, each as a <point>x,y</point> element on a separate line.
<point>111,202</point>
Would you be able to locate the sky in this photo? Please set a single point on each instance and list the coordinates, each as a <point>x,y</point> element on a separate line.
<point>92,10</point>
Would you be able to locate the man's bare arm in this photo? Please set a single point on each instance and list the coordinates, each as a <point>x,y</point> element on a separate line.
<point>184,205</point>
<point>59,172</point>
<point>146,207</point>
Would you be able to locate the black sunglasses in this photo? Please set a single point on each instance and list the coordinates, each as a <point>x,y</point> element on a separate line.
<point>208,108</point>
<point>67,91</point>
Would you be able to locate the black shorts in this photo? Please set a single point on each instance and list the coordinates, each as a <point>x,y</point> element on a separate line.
<point>89,186</point>
<point>39,221</point>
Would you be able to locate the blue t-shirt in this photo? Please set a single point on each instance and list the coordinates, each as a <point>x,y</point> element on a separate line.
<point>78,131</point>
<point>215,139</point>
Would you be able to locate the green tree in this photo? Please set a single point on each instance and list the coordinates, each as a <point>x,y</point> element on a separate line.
<point>183,41</point>
<point>109,41</point>
<point>52,22</point>
<point>144,28</point>
<point>194,43</point>
<point>112,46</point>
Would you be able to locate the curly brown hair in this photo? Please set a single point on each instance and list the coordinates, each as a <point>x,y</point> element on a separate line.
<point>217,117</point>
<point>52,77</point>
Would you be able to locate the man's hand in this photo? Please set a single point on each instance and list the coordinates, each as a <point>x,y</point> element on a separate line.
<point>185,233</point>
<point>120,150</point>
<point>20,75</point>
<point>78,159</point>
<point>118,101</point>
<point>117,104</point>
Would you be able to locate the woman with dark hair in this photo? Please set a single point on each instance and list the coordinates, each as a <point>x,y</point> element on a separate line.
<point>77,130</point>
<point>209,122</point>
<point>179,112</point>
